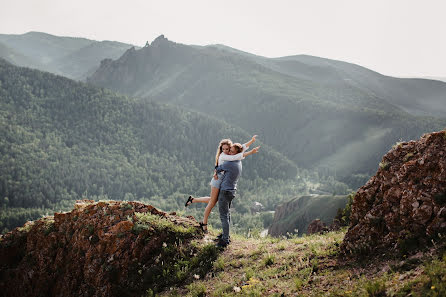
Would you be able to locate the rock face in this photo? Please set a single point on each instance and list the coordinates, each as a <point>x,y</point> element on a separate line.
<point>405,202</point>
<point>97,249</point>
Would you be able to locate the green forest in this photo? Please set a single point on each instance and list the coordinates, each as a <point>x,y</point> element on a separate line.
<point>63,140</point>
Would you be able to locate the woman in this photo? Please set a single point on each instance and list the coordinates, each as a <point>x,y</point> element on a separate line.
<point>224,153</point>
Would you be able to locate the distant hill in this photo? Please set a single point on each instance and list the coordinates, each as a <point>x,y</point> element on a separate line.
<point>435,78</point>
<point>15,57</point>
<point>331,115</point>
<point>293,217</point>
<point>62,140</point>
<point>68,56</point>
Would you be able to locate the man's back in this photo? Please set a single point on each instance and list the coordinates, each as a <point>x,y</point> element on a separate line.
<point>233,170</point>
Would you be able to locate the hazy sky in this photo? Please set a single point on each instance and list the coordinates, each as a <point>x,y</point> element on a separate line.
<point>393,37</point>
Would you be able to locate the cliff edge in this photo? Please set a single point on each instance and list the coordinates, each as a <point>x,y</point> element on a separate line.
<point>102,249</point>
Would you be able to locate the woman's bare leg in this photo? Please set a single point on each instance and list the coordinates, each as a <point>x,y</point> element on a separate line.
<point>202,199</point>
<point>212,201</point>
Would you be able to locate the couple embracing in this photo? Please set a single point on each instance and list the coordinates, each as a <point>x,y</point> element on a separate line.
<point>228,168</point>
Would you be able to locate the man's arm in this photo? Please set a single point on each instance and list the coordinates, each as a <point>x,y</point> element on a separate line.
<point>253,151</point>
<point>250,142</point>
<point>237,157</point>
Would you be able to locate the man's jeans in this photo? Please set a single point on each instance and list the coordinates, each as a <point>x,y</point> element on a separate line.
<point>224,203</point>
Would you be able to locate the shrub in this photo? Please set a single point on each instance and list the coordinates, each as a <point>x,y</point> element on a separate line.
<point>375,288</point>
<point>197,290</point>
<point>269,259</point>
<point>219,265</point>
<point>343,215</point>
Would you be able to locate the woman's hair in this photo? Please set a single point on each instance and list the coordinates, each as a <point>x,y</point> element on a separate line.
<point>220,148</point>
<point>238,147</point>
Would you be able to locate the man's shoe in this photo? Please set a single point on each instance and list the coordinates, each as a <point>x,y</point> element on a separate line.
<point>222,244</point>
<point>220,236</point>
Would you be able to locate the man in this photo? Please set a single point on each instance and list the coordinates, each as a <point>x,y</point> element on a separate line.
<point>228,187</point>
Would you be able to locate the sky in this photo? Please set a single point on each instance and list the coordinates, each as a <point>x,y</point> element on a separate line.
<point>394,37</point>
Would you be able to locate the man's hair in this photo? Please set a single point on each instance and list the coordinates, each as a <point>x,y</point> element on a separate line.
<point>238,147</point>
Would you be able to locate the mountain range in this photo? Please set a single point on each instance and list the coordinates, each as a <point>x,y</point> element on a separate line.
<point>332,116</point>
<point>322,114</point>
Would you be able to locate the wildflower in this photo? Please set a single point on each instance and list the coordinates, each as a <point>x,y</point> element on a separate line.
<point>253,281</point>
<point>196,276</point>
<point>164,244</point>
<point>433,288</point>
<point>237,289</point>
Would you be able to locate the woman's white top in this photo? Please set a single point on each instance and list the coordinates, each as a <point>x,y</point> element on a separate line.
<point>224,157</point>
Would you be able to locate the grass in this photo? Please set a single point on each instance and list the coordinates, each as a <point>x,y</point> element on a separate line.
<point>147,220</point>
<point>48,224</point>
<point>27,227</point>
<point>269,259</point>
<point>384,165</point>
<point>311,266</point>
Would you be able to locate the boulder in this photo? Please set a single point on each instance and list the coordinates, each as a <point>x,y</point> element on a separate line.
<point>404,203</point>
<point>317,226</point>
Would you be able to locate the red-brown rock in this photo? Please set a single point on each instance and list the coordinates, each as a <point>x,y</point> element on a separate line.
<point>405,200</point>
<point>97,249</point>
<point>317,226</point>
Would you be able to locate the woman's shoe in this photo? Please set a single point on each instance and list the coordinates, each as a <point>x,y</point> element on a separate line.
<point>204,227</point>
<point>189,201</point>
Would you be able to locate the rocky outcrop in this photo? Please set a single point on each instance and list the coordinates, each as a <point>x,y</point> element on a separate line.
<point>141,70</point>
<point>99,249</point>
<point>294,217</point>
<point>405,202</point>
<point>160,40</point>
<point>316,226</point>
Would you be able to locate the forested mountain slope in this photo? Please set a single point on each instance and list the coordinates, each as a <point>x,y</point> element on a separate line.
<point>317,118</point>
<point>62,140</point>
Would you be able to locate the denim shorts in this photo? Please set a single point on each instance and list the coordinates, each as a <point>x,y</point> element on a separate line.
<point>217,182</point>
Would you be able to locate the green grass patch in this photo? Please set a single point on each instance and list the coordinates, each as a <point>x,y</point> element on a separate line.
<point>27,227</point>
<point>197,290</point>
<point>431,283</point>
<point>146,220</point>
<point>269,259</point>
